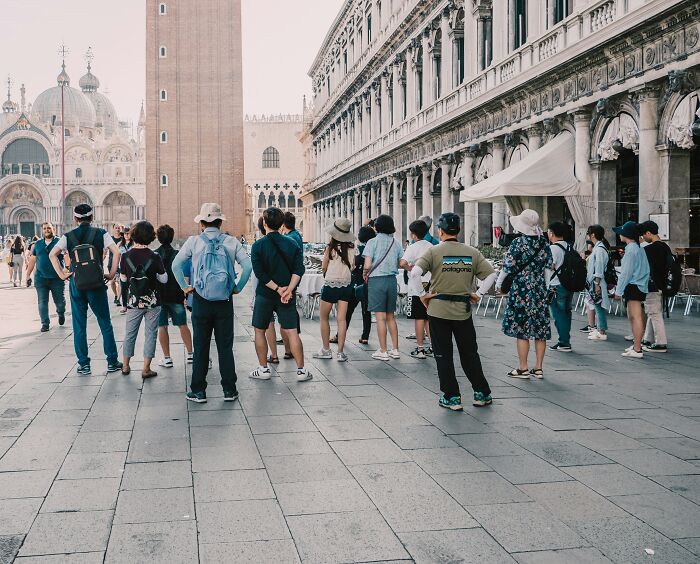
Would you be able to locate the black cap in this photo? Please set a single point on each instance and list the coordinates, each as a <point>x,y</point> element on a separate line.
<point>630,230</point>
<point>449,223</point>
<point>82,210</point>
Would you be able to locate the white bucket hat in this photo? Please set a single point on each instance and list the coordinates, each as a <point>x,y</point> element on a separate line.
<point>341,230</point>
<point>209,213</point>
<point>527,223</point>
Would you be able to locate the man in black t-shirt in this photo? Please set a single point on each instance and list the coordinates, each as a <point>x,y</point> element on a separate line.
<point>657,254</point>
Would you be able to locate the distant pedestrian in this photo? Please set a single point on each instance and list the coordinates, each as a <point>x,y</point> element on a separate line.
<point>17,261</point>
<point>85,245</point>
<point>46,280</point>
<point>115,285</point>
<point>454,266</point>
<point>558,233</point>
<point>380,270</point>
<point>142,270</point>
<point>659,256</point>
<point>337,287</point>
<point>428,236</point>
<point>417,286</point>
<point>213,284</point>
<point>278,267</point>
<point>123,248</point>
<point>597,298</point>
<point>633,284</point>
<point>172,300</point>
<point>289,230</point>
<point>527,315</point>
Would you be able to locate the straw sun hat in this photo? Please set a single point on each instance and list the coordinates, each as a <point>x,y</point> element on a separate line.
<point>341,230</point>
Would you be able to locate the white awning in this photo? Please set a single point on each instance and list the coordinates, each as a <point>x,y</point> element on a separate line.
<point>548,171</point>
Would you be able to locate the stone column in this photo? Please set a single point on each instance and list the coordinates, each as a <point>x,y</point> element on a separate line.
<point>376,109</point>
<point>385,195</point>
<point>498,212</point>
<point>511,26</point>
<point>427,172</point>
<point>397,208</point>
<point>411,81</point>
<point>427,90</point>
<point>534,137</point>
<point>446,64</point>
<point>446,202</point>
<point>366,116</point>
<point>411,178</point>
<point>357,215</point>
<point>384,102</point>
<point>372,201</point>
<point>398,90</point>
<point>471,214</point>
<point>650,197</point>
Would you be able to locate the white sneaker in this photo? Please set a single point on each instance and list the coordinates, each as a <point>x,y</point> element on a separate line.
<point>190,358</point>
<point>342,357</point>
<point>166,362</point>
<point>261,373</point>
<point>303,375</point>
<point>629,337</point>
<point>323,354</point>
<point>394,353</point>
<point>411,336</point>
<point>418,353</point>
<point>596,335</point>
<point>631,353</point>
<point>381,355</point>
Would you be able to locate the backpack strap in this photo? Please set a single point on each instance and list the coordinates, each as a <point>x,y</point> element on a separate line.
<point>557,272</point>
<point>148,264</point>
<point>128,260</point>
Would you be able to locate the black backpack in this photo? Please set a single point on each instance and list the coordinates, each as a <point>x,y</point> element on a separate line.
<point>86,261</point>
<point>671,283</point>
<point>170,292</point>
<point>572,272</point>
<point>141,292</point>
<point>610,274</point>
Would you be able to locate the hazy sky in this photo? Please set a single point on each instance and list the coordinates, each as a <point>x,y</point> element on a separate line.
<point>280,40</point>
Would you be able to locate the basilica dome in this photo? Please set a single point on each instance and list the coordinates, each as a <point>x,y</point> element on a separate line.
<point>78,108</point>
<point>106,115</point>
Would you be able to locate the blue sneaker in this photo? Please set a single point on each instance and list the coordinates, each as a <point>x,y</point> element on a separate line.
<point>84,370</point>
<point>480,400</point>
<point>454,403</point>
<point>197,397</point>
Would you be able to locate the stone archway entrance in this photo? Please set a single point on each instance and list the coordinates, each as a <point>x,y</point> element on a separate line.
<point>26,221</point>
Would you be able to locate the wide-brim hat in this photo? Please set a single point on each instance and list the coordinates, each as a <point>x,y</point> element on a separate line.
<point>629,229</point>
<point>527,223</point>
<point>341,230</point>
<point>210,212</point>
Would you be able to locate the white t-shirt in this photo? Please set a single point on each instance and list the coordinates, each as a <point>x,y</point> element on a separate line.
<point>558,256</point>
<point>411,255</point>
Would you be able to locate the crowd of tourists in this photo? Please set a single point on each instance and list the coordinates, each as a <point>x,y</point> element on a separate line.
<point>540,274</point>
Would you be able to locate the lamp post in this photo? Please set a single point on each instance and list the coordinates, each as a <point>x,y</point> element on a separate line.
<point>63,51</point>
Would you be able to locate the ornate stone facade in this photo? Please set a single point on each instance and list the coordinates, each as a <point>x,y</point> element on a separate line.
<point>429,111</point>
<point>104,164</point>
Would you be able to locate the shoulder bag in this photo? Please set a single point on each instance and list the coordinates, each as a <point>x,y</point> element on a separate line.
<point>361,289</point>
<point>508,280</point>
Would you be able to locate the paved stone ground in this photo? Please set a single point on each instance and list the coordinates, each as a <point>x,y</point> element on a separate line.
<point>596,463</point>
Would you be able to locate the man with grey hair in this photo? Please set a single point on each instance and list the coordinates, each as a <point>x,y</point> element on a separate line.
<point>428,236</point>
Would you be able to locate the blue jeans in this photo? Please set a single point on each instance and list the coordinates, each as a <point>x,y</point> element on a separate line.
<point>55,287</point>
<point>561,313</point>
<point>97,300</point>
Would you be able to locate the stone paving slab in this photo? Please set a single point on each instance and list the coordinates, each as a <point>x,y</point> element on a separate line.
<point>595,463</point>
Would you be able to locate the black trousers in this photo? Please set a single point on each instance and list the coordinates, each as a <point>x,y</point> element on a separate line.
<point>366,315</point>
<point>216,317</point>
<point>441,333</point>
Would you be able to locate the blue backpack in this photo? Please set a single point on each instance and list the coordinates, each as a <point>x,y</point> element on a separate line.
<point>216,276</point>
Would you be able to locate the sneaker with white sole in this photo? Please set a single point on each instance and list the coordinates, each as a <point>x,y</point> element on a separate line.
<point>587,329</point>
<point>411,336</point>
<point>418,353</point>
<point>190,358</point>
<point>261,373</point>
<point>394,353</point>
<point>655,348</point>
<point>631,353</point>
<point>323,354</point>
<point>629,337</point>
<point>596,335</point>
<point>341,357</point>
<point>166,362</point>
<point>303,375</point>
<point>381,355</point>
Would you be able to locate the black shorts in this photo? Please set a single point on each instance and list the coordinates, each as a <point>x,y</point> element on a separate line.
<point>264,309</point>
<point>634,294</point>
<point>334,295</point>
<point>415,308</point>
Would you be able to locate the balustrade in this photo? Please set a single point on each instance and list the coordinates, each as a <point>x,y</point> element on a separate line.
<point>602,15</point>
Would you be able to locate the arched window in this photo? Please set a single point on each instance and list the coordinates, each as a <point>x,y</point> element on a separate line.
<point>291,200</point>
<point>300,204</point>
<point>261,200</point>
<point>163,136</point>
<point>163,95</point>
<point>24,155</point>
<point>163,52</point>
<point>271,201</point>
<point>163,180</point>
<point>271,158</point>
<point>163,9</point>
<point>78,172</point>
<point>282,201</point>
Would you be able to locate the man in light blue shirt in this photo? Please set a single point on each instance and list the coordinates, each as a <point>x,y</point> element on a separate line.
<point>633,284</point>
<point>209,316</point>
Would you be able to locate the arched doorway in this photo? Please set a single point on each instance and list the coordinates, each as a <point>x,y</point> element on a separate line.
<point>20,200</point>
<point>26,222</point>
<point>118,207</point>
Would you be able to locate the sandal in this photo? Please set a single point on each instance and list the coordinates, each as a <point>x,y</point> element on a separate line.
<point>333,340</point>
<point>364,341</point>
<point>288,356</point>
<point>537,373</point>
<point>149,374</point>
<point>273,359</point>
<point>126,370</point>
<point>522,374</point>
